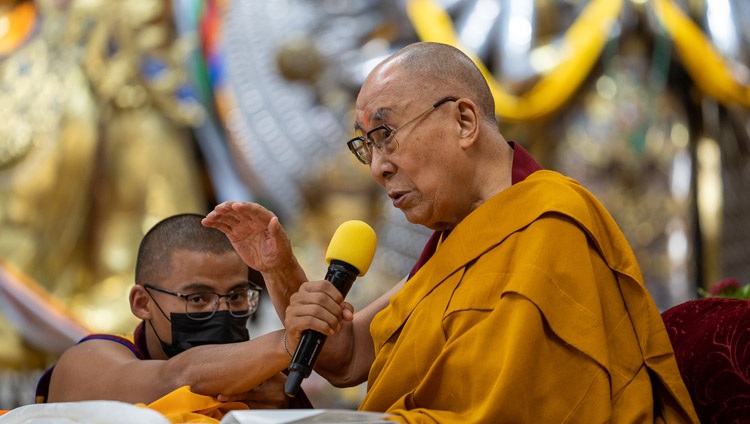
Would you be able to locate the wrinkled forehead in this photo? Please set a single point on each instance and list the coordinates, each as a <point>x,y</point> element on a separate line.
<point>388,109</point>
<point>385,93</point>
<point>371,116</point>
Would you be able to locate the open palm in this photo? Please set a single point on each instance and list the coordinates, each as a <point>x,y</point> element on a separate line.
<point>255,232</point>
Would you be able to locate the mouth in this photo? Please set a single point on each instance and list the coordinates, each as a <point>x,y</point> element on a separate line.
<point>397,197</point>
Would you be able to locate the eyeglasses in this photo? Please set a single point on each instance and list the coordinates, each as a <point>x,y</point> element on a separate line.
<point>203,305</point>
<point>383,137</point>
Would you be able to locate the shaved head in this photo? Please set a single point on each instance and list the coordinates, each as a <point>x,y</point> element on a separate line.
<point>444,67</point>
<point>178,232</point>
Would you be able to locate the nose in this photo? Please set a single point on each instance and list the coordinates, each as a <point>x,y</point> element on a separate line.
<point>380,167</point>
<point>223,303</point>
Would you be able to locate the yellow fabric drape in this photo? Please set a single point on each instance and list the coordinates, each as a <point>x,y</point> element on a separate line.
<point>532,310</point>
<point>582,46</point>
<point>707,68</point>
<point>184,406</point>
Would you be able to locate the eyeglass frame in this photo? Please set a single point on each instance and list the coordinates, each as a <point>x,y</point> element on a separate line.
<point>252,287</point>
<point>367,140</point>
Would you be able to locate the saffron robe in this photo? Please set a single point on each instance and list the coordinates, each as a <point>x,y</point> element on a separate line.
<point>532,310</point>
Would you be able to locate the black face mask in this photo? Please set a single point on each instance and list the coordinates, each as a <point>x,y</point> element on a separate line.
<point>221,328</point>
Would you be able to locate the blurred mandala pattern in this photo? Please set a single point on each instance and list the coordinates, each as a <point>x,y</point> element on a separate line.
<point>593,88</point>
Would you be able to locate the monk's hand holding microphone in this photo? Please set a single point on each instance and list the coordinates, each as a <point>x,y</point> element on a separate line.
<point>349,255</point>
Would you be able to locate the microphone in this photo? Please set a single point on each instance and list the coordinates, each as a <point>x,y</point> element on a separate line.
<point>349,255</point>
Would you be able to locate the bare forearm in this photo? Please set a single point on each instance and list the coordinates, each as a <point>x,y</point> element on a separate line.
<point>103,370</point>
<point>346,357</point>
<point>231,368</point>
<point>282,282</point>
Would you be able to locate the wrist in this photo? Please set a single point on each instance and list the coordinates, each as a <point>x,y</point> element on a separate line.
<point>286,348</point>
<point>285,280</point>
<point>284,268</point>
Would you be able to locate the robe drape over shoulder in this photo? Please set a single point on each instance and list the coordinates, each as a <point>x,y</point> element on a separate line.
<point>532,310</point>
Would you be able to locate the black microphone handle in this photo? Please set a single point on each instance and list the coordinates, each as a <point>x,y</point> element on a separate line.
<point>342,276</point>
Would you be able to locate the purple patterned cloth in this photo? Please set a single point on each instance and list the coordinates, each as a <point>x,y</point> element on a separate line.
<point>711,340</point>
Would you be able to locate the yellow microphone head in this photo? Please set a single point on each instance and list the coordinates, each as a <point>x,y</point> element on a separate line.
<point>353,242</point>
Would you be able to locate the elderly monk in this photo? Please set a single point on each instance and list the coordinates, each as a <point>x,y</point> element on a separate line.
<point>526,305</point>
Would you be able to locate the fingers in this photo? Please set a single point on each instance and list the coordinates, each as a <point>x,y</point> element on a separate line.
<point>276,232</point>
<point>232,398</point>
<point>347,311</point>
<point>250,208</point>
<point>222,217</point>
<point>277,241</point>
<point>255,214</point>
<point>230,214</point>
<point>267,395</point>
<point>274,227</point>
<point>317,305</point>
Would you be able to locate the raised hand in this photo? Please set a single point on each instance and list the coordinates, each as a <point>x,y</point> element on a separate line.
<point>259,239</point>
<point>255,232</point>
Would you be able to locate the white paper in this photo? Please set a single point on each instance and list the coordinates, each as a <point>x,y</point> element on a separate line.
<point>83,412</point>
<point>300,416</point>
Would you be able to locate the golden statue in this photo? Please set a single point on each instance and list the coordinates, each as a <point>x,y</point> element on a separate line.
<point>95,147</point>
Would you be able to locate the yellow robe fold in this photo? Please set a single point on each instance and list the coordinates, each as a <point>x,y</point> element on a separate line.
<point>533,310</point>
<point>183,406</point>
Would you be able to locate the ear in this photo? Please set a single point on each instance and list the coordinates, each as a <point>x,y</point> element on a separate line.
<point>139,300</point>
<point>469,122</point>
